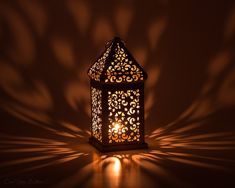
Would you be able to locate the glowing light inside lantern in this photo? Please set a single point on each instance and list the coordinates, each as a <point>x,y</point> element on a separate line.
<point>117,128</point>
<point>117,100</point>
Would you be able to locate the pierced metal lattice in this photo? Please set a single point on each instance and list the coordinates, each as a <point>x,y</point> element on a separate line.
<point>122,68</point>
<point>124,120</point>
<point>117,93</point>
<point>97,68</point>
<point>96,111</point>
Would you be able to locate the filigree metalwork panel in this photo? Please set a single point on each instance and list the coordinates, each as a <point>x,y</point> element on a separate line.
<point>96,112</point>
<point>122,68</point>
<point>124,116</point>
<point>97,68</point>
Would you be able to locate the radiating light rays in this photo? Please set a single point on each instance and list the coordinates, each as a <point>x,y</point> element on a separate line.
<point>199,150</point>
<point>74,130</point>
<point>209,141</point>
<point>104,170</point>
<point>29,95</point>
<point>133,168</point>
<point>42,121</point>
<point>191,158</point>
<point>187,146</point>
<point>64,130</point>
<point>71,127</point>
<point>25,160</point>
<point>195,163</point>
<point>177,143</point>
<point>35,153</point>
<point>41,152</point>
<point>28,85</point>
<point>47,164</point>
<point>29,116</point>
<point>130,168</point>
<point>216,93</point>
<point>127,167</point>
<point>196,156</point>
<point>187,128</point>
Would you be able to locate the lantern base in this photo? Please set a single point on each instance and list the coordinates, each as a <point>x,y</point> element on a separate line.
<point>107,148</point>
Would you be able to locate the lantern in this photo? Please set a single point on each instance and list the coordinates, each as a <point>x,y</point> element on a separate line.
<point>117,100</point>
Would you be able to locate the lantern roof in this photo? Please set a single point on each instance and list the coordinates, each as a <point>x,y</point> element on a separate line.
<point>116,65</point>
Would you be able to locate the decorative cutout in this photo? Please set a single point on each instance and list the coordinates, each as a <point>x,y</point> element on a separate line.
<point>96,111</point>
<point>122,68</point>
<point>97,68</point>
<point>124,112</point>
<point>117,108</point>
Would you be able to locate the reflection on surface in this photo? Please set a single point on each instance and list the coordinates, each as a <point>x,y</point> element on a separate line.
<point>149,168</point>
<point>45,50</point>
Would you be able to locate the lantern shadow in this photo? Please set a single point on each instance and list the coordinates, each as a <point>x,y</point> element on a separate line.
<point>45,102</point>
<point>203,152</point>
<point>156,166</point>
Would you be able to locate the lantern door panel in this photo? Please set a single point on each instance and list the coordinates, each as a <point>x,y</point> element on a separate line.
<point>124,116</point>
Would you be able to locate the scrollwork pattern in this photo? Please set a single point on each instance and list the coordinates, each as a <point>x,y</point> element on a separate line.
<point>96,111</point>
<point>122,68</point>
<point>124,121</point>
<point>97,68</point>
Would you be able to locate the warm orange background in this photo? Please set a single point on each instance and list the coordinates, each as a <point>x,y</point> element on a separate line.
<point>187,48</point>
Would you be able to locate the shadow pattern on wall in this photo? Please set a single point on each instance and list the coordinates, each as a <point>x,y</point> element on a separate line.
<point>187,48</point>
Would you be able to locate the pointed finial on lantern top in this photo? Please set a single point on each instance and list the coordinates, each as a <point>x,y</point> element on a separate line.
<point>115,39</point>
<point>116,65</point>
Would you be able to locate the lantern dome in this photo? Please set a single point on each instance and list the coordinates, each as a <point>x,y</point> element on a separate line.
<point>116,65</point>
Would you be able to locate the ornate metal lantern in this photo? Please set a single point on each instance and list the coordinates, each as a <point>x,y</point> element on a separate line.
<point>117,100</point>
